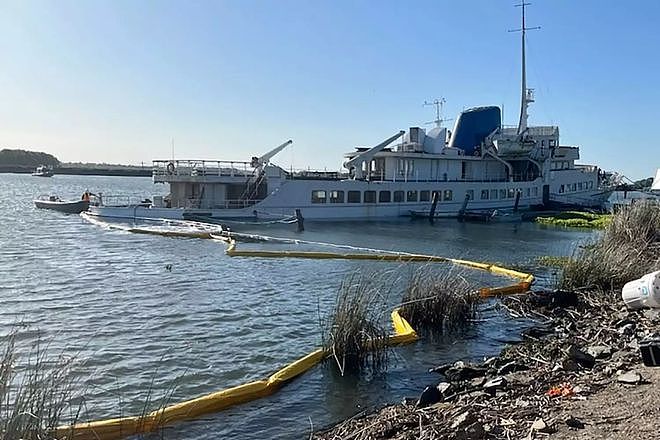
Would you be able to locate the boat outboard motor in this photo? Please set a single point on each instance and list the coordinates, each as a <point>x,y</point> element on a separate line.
<point>473,126</point>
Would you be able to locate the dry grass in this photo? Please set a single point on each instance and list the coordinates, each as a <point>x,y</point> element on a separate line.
<point>36,391</point>
<point>628,249</point>
<point>439,302</point>
<point>354,332</point>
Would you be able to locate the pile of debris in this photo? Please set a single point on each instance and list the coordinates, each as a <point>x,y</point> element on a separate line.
<point>583,343</point>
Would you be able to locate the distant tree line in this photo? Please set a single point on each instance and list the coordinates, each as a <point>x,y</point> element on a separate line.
<point>27,158</point>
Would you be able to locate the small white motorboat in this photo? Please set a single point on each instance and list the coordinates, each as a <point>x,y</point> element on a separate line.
<point>57,204</point>
<point>43,171</point>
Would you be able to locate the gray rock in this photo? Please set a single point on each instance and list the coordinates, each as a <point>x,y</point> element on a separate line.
<point>627,330</point>
<point>652,314</point>
<point>539,425</point>
<point>429,396</point>
<point>568,364</point>
<point>600,351</point>
<point>585,360</point>
<point>520,378</point>
<point>574,423</point>
<point>434,394</point>
<point>477,382</point>
<point>494,384</point>
<point>463,420</point>
<point>629,378</point>
<point>475,431</point>
<point>460,372</point>
<point>444,388</point>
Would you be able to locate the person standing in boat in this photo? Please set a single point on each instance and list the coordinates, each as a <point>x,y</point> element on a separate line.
<point>85,196</point>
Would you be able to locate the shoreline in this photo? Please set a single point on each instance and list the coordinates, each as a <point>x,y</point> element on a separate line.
<point>577,373</point>
<point>122,171</point>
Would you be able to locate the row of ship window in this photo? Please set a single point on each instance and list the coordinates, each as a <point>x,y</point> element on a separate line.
<point>579,186</point>
<point>322,196</point>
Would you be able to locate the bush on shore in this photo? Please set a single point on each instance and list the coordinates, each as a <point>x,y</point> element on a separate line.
<point>628,249</point>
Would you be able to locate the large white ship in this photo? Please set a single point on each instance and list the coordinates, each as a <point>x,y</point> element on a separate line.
<point>479,165</point>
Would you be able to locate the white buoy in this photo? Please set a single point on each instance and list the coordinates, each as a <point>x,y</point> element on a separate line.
<point>643,292</point>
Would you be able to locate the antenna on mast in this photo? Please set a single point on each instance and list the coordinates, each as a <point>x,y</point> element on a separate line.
<point>526,95</point>
<point>438,103</point>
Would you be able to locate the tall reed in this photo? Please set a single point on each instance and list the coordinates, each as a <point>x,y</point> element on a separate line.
<point>439,301</point>
<point>354,333</point>
<point>628,248</point>
<point>36,390</point>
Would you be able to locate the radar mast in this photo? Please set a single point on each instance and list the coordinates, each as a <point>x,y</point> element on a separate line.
<point>526,95</point>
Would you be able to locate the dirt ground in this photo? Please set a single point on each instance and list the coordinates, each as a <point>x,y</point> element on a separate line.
<point>617,412</point>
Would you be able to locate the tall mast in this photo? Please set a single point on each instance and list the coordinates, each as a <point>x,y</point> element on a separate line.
<point>437,103</point>
<point>526,95</point>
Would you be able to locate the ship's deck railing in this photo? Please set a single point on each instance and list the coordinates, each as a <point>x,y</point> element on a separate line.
<point>192,203</point>
<point>190,167</point>
<point>316,174</point>
<point>587,168</point>
<point>537,130</point>
<point>121,200</point>
<point>517,177</point>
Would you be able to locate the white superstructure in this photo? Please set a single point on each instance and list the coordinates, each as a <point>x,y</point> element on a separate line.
<point>655,186</point>
<point>479,165</point>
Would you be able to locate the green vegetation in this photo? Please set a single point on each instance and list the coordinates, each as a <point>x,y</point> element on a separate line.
<point>552,261</point>
<point>354,333</point>
<point>628,249</point>
<point>27,158</point>
<point>36,392</point>
<point>439,302</point>
<point>434,302</point>
<point>577,219</point>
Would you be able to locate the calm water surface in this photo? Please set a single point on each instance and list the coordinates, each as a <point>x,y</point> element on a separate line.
<point>212,321</point>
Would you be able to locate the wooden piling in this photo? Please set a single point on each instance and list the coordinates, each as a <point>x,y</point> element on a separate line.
<point>434,204</point>
<point>300,220</point>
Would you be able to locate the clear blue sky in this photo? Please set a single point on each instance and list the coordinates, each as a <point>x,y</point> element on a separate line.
<point>115,81</point>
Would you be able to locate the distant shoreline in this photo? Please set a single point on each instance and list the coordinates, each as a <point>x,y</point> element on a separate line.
<point>100,170</point>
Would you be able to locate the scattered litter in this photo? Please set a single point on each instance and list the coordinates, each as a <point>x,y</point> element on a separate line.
<point>643,292</point>
<point>562,390</point>
<point>649,347</point>
<point>629,378</point>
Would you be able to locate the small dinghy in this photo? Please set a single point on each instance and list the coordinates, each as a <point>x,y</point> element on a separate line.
<point>490,215</point>
<point>57,204</point>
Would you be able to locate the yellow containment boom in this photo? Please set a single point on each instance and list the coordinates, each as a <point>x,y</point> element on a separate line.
<point>126,426</point>
<point>118,428</point>
<point>520,287</point>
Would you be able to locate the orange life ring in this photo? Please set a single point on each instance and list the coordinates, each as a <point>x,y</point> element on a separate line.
<point>170,168</point>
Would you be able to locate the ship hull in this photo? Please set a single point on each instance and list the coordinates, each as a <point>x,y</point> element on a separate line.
<point>295,195</point>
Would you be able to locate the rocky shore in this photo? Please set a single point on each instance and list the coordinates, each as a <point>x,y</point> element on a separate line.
<point>578,374</point>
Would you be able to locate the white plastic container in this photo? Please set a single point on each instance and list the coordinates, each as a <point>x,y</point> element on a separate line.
<point>643,292</point>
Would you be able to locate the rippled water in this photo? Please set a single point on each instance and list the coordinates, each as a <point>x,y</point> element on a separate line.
<point>212,321</point>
